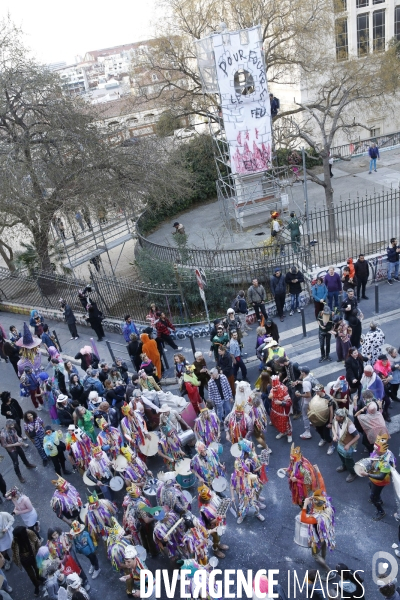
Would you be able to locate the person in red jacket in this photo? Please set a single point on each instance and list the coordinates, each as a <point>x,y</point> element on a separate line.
<point>164,327</point>
<point>319,514</point>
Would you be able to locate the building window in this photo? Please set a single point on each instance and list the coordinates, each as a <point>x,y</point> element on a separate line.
<point>375,132</point>
<point>339,5</point>
<point>378,1</point>
<point>342,40</point>
<point>378,30</point>
<point>154,77</point>
<point>363,34</point>
<point>362,3</point>
<point>397,22</point>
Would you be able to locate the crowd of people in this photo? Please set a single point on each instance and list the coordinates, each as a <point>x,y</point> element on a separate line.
<point>109,425</point>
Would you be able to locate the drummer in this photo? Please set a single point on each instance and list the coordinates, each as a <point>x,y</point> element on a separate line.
<point>131,467</point>
<point>195,540</point>
<point>208,507</point>
<point>109,438</point>
<point>245,485</point>
<point>170,494</point>
<point>99,471</point>
<point>169,544</point>
<point>96,515</point>
<point>177,422</point>
<point>137,520</point>
<point>79,445</point>
<point>325,412</point>
<point>66,501</point>
<point>207,427</point>
<point>205,464</point>
<point>169,445</point>
<point>131,427</point>
<point>132,567</point>
<point>238,424</point>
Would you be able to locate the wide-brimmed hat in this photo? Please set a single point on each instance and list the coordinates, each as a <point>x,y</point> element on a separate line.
<point>27,340</point>
<point>62,398</point>
<point>271,344</point>
<point>165,408</point>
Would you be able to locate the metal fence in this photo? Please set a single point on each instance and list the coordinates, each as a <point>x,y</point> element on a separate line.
<point>359,146</point>
<point>364,225</point>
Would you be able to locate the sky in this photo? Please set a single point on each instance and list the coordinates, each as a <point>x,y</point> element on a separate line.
<point>58,31</point>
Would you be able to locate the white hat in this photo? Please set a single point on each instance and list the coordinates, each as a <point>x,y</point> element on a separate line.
<point>62,398</point>
<point>165,408</point>
<point>74,581</point>
<point>130,552</point>
<point>71,427</point>
<point>230,311</point>
<point>271,344</point>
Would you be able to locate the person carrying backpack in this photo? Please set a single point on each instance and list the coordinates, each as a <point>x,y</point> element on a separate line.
<point>373,152</point>
<point>275,105</point>
<point>239,305</point>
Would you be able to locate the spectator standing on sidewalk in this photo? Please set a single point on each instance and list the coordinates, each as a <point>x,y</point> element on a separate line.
<point>95,318</point>
<point>361,268</point>
<point>225,365</point>
<point>348,282</point>
<point>234,350</point>
<point>393,260</point>
<point>256,297</point>
<point>305,394</point>
<point>334,286</point>
<point>240,308</point>
<point>164,328</point>
<point>129,328</point>
<point>373,152</point>
<point>320,294</point>
<point>278,289</point>
<point>69,319</point>
<point>294,279</point>
<point>220,394</point>
<point>10,440</point>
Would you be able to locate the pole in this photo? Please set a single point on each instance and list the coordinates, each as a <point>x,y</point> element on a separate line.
<point>206,307</point>
<point>110,351</point>
<point>193,346</point>
<point>178,281</point>
<point>303,322</point>
<point>164,357</point>
<point>57,340</point>
<point>303,153</point>
<point>376,299</point>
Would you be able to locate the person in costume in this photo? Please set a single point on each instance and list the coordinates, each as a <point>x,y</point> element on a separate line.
<point>259,417</point>
<point>205,464</point>
<point>176,421</point>
<point>245,485</point>
<point>99,471</point>
<point>66,501</point>
<point>238,424</point>
<point>319,515</point>
<point>207,427</point>
<point>280,409</point>
<point>372,423</point>
<point>195,540</point>
<point>117,541</point>
<point>131,427</point>
<point>137,519</point>
<point>304,478</point>
<point>192,566</point>
<point>169,445</point>
<point>136,470</point>
<point>30,354</point>
<point>132,567</point>
<point>79,445</point>
<point>98,516</point>
<point>256,467</point>
<point>109,438</point>
<point>170,545</point>
<point>382,460</point>
<point>346,436</point>
<point>209,502</point>
<point>84,545</point>
<point>169,494</point>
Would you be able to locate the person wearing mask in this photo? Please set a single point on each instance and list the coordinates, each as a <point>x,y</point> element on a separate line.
<point>393,261</point>
<point>361,268</point>
<point>334,286</point>
<point>256,297</point>
<point>278,289</point>
<point>294,278</point>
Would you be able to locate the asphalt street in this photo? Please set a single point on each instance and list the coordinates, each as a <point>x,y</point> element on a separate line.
<point>253,545</point>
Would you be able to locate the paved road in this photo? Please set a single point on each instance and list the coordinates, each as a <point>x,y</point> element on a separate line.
<point>253,545</point>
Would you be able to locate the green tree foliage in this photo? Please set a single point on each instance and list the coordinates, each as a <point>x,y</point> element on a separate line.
<point>167,124</point>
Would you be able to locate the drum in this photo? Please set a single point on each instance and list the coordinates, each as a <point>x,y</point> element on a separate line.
<point>116,483</point>
<point>300,533</point>
<point>318,411</point>
<point>150,447</point>
<point>88,481</point>
<point>161,476</point>
<point>282,473</point>
<point>213,562</point>
<point>150,491</point>
<point>189,415</point>
<point>120,463</point>
<point>183,467</point>
<point>219,484</point>
<point>142,554</point>
<point>235,450</point>
<point>186,481</point>
<point>217,447</point>
<point>365,464</point>
<point>84,512</point>
<point>188,497</point>
<point>185,437</point>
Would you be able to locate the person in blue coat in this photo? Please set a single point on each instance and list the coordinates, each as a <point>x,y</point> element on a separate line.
<point>83,544</point>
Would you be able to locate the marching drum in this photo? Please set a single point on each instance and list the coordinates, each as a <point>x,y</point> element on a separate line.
<point>116,483</point>
<point>150,446</point>
<point>235,450</point>
<point>318,411</point>
<point>150,491</point>
<point>300,533</point>
<point>219,484</point>
<point>188,497</point>
<point>365,464</point>
<point>84,512</point>
<point>185,477</point>
<point>217,447</point>
<point>185,437</point>
<point>88,481</point>
<point>120,463</point>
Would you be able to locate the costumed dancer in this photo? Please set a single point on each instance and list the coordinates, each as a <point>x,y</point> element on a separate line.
<point>205,464</point>
<point>169,495</point>
<point>244,484</point>
<point>135,518</point>
<point>132,567</point>
<point>260,419</point>
<point>117,541</point>
<point>381,461</point>
<point>169,445</point>
<point>238,424</point>
<point>29,351</point>
<point>255,466</point>
<point>192,566</point>
<point>79,446</point>
<point>131,428</point>
<point>136,471</point>
<point>66,501</point>
<point>319,514</point>
<point>195,540</point>
<point>109,438</point>
<point>304,478</point>
<point>206,427</point>
<point>280,408</point>
<point>98,516</point>
<point>170,544</point>
<point>209,503</point>
<point>99,471</point>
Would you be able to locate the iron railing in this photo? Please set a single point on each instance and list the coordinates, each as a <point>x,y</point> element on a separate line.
<point>359,147</point>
